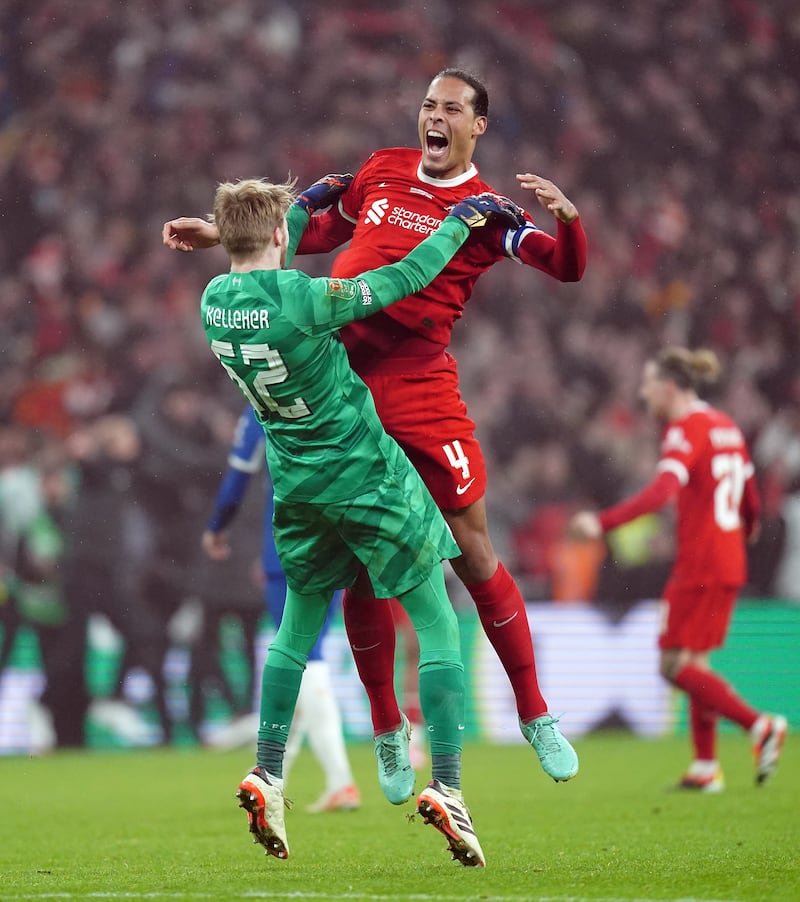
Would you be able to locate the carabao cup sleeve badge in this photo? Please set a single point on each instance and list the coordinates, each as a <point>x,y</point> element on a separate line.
<point>339,289</point>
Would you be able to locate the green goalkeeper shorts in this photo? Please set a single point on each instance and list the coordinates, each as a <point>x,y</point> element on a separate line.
<point>395,530</point>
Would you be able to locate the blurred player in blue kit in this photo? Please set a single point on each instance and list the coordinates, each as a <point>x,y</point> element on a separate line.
<point>317,715</point>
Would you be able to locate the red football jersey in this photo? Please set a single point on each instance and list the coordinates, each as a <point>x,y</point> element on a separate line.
<point>707,452</point>
<point>391,206</point>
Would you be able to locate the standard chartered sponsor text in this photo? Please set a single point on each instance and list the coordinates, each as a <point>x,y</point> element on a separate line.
<point>416,222</point>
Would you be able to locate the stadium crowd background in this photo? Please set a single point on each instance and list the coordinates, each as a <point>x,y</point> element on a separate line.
<point>674,127</point>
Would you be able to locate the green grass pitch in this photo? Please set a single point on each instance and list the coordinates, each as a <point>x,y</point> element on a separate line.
<point>164,824</point>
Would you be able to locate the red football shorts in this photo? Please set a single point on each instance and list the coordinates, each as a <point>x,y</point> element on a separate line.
<point>697,617</point>
<point>425,414</point>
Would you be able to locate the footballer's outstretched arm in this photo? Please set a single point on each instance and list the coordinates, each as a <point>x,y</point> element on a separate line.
<point>564,256</point>
<point>550,196</point>
<point>326,231</point>
<point>189,232</point>
<point>591,525</point>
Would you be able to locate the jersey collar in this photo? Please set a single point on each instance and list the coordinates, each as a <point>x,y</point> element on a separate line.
<point>448,183</point>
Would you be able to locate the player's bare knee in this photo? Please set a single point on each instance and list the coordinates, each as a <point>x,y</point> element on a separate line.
<point>475,565</point>
<point>669,665</point>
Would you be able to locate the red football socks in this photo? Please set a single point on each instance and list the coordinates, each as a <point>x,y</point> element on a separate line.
<point>703,724</point>
<point>371,633</point>
<point>505,621</point>
<point>708,689</point>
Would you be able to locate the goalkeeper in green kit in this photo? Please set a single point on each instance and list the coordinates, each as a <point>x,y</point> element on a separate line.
<point>346,496</point>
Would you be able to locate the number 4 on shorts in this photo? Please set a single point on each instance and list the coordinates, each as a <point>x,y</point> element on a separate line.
<point>458,460</point>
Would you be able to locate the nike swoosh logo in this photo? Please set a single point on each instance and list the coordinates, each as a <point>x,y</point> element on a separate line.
<point>498,623</point>
<point>365,648</point>
<point>460,489</point>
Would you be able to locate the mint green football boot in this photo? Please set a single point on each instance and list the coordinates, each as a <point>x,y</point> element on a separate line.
<point>395,773</point>
<point>557,757</point>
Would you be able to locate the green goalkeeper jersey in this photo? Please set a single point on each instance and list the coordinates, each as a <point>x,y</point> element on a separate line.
<point>275,332</point>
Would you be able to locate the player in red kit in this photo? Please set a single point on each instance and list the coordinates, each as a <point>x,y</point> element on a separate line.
<point>705,465</point>
<point>398,197</point>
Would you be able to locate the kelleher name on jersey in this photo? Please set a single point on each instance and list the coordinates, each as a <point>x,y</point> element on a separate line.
<point>249,320</point>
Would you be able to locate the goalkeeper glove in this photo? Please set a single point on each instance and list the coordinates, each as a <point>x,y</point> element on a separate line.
<point>323,192</point>
<point>475,211</point>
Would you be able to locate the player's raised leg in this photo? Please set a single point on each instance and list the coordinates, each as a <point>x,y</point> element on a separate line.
<point>441,684</point>
<point>372,635</point>
<point>504,618</point>
<point>260,793</point>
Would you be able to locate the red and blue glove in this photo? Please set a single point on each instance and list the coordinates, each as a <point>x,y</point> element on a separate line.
<point>323,192</point>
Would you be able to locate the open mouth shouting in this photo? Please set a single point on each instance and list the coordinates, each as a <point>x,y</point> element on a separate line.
<point>436,144</point>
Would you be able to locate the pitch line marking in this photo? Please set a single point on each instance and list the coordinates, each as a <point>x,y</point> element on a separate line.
<point>334,897</point>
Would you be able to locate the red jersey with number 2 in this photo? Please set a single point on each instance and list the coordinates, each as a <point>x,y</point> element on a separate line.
<point>707,452</point>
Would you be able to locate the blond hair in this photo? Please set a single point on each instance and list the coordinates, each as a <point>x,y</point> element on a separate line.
<point>248,212</point>
<point>689,369</point>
